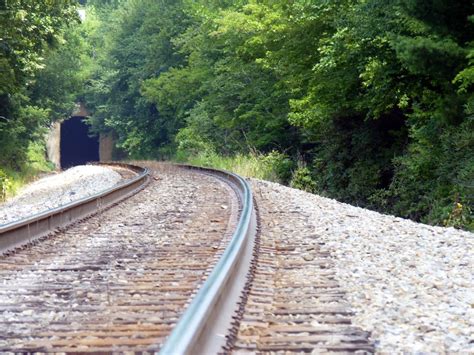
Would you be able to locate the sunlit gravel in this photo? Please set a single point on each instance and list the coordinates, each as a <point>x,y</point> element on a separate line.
<point>410,284</point>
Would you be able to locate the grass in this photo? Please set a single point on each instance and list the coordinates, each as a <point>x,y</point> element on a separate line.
<point>271,166</point>
<point>11,181</point>
<point>245,165</point>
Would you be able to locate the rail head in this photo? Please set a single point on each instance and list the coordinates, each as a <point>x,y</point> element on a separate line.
<point>25,230</point>
<point>197,330</point>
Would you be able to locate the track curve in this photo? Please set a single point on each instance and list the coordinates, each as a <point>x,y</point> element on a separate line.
<point>157,308</point>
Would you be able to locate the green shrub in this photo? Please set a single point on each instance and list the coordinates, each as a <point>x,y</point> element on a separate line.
<point>302,180</point>
<point>12,179</point>
<point>460,216</point>
<point>190,144</point>
<point>279,165</point>
<point>36,158</point>
<point>5,184</point>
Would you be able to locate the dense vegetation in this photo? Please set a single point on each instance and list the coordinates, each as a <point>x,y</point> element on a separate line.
<point>369,101</point>
<point>38,80</point>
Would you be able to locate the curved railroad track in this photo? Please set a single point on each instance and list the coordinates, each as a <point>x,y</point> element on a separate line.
<point>120,280</point>
<point>188,266</point>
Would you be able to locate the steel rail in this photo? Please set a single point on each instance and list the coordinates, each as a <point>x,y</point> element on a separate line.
<point>26,230</point>
<point>202,327</point>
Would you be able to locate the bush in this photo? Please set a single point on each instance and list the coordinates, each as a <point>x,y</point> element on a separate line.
<point>190,144</point>
<point>302,180</point>
<point>12,179</point>
<point>280,166</point>
<point>460,217</point>
<point>5,184</point>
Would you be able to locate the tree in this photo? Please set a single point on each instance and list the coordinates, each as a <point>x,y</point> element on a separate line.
<point>375,96</point>
<point>29,30</point>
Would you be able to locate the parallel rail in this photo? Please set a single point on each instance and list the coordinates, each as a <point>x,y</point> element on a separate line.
<point>24,231</point>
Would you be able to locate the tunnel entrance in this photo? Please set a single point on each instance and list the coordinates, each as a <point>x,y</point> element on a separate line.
<point>76,146</point>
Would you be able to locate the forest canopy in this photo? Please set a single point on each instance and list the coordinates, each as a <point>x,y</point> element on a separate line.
<point>370,102</point>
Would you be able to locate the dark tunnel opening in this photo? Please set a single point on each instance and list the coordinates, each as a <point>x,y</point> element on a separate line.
<point>76,146</point>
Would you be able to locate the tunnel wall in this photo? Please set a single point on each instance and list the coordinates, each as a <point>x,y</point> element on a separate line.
<point>53,146</point>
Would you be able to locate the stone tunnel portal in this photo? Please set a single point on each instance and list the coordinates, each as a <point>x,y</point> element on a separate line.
<point>77,147</point>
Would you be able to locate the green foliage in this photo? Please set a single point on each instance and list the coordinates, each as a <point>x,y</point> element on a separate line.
<point>436,174</point>
<point>133,44</point>
<point>191,144</point>
<point>271,167</point>
<point>36,73</point>
<point>16,134</point>
<point>280,164</point>
<point>5,185</point>
<point>36,159</point>
<point>57,85</point>
<point>303,180</point>
<point>11,180</point>
<point>460,216</point>
<point>27,29</point>
<point>374,96</point>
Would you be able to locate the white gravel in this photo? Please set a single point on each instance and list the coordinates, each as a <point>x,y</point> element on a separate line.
<point>59,189</point>
<point>410,284</point>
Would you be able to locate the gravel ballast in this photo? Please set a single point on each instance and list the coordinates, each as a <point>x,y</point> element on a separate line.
<point>411,285</point>
<point>56,190</point>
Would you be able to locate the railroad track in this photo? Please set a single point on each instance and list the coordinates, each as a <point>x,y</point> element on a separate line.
<point>120,281</point>
<point>184,267</point>
<point>37,226</point>
<point>293,302</point>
